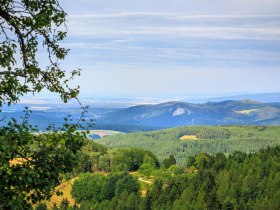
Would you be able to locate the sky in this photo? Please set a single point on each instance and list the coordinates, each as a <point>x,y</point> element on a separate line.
<point>163,48</point>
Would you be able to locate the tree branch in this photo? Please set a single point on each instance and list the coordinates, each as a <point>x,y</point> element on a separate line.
<point>6,16</point>
<point>14,73</point>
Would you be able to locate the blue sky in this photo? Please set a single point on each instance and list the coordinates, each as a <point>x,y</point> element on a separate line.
<point>160,48</point>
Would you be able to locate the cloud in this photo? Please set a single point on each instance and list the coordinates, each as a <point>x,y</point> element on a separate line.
<point>127,25</point>
<point>177,39</point>
<point>175,51</point>
<point>177,6</point>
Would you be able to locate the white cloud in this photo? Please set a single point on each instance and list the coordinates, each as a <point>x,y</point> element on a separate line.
<point>183,6</point>
<point>176,46</point>
<point>124,25</point>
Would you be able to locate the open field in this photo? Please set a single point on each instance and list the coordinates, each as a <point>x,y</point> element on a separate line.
<point>104,133</point>
<point>95,134</point>
<point>18,161</point>
<point>65,188</point>
<point>188,137</point>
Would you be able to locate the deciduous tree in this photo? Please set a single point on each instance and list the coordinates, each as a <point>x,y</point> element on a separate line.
<point>27,27</point>
<point>31,165</point>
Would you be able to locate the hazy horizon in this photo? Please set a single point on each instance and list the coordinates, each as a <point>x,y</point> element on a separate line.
<point>130,100</point>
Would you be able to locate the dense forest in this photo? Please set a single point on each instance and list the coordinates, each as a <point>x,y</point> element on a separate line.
<point>209,139</point>
<point>134,179</point>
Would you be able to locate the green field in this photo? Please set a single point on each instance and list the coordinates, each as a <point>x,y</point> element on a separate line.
<point>210,139</point>
<point>96,134</point>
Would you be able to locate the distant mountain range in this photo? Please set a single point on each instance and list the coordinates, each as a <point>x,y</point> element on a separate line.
<point>157,116</point>
<point>261,97</point>
<point>173,114</point>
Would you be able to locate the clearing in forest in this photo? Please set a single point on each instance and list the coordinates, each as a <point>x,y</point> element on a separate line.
<point>65,188</point>
<point>188,137</point>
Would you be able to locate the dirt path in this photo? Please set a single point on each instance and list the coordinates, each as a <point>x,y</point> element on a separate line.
<point>142,180</point>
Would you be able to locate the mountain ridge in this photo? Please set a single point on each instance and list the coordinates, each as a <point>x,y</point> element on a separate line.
<point>177,113</point>
<point>260,97</point>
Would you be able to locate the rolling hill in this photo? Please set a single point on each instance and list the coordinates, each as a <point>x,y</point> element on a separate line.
<point>173,114</point>
<point>190,140</point>
<point>157,116</point>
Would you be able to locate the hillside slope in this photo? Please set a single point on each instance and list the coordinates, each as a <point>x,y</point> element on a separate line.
<point>211,140</point>
<point>173,114</point>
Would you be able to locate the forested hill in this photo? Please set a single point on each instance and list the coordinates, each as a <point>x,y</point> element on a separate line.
<point>190,140</point>
<point>173,114</point>
<point>134,179</point>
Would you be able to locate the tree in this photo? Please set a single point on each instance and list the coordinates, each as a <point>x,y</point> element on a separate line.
<point>153,193</point>
<point>64,204</point>
<point>148,166</point>
<point>41,206</point>
<point>127,183</point>
<point>167,162</point>
<point>28,26</point>
<point>31,165</point>
<point>130,159</point>
<point>90,187</point>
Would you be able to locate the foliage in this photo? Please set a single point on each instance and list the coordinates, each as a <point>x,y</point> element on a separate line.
<point>239,181</point>
<point>125,201</point>
<point>94,157</point>
<point>44,158</point>
<point>27,27</point>
<point>33,163</point>
<point>41,206</point>
<point>64,204</point>
<point>212,140</point>
<point>127,183</point>
<point>88,157</point>
<point>130,159</point>
<point>91,189</point>
<point>148,166</point>
<point>167,162</point>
